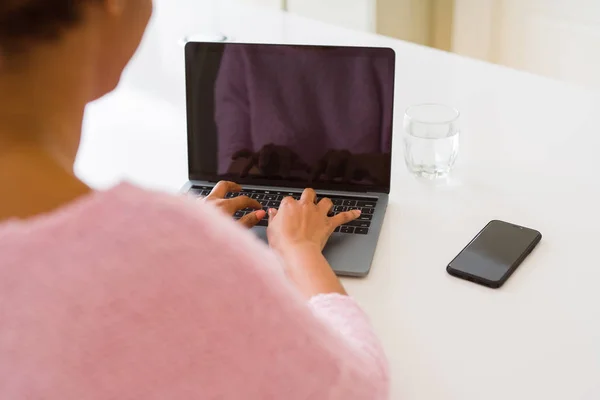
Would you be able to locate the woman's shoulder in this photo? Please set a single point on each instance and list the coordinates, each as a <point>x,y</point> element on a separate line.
<point>124,205</point>
<point>131,223</point>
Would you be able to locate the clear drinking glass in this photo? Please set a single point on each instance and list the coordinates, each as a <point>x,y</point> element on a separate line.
<point>431,133</point>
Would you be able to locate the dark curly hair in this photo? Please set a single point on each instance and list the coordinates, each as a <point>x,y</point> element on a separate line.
<point>24,21</point>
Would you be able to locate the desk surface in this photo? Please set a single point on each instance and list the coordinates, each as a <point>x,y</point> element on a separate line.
<point>528,155</point>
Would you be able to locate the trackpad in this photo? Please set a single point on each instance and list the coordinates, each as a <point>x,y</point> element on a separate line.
<point>334,241</point>
<point>261,232</point>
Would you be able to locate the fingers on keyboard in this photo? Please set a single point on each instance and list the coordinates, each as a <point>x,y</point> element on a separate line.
<point>272,199</point>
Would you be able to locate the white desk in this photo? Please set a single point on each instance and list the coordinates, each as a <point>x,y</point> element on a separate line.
<point>528,155</point>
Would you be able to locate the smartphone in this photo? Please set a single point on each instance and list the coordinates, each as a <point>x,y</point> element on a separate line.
<point>494,254</point>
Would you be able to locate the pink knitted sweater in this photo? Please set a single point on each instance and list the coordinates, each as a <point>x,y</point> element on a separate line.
<point>128,294</point>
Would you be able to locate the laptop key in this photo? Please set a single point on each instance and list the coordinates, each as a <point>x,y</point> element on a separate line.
<point>337,229</point>
<point>263,222</point>
<point>361,231</point>
<point>366,204</point>
<point>337,202</point>
<point>347,229</point>
<point>366,210</point>
<point>273,204</point>
<point>365,217</point>
<point>350,203</point>
<point>270,197</point>
<point>256,196</point>
<point>238,214</point>
<point>359,224</point>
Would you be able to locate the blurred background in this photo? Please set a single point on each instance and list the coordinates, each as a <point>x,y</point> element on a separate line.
<point>555,38</point>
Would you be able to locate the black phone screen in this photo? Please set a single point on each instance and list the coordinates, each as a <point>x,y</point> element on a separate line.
<point>495,252</point>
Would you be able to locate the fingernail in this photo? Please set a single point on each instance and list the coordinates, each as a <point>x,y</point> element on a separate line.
<point>358,212</point>
<point>271,211</point>
<point>260,214</point>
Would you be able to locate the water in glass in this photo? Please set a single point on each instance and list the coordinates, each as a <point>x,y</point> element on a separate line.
<point>431,140</point>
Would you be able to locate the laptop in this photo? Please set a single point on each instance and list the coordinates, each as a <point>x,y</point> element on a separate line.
<point>280,118</point>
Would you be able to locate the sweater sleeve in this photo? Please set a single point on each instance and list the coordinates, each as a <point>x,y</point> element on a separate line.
<point>346,318</point>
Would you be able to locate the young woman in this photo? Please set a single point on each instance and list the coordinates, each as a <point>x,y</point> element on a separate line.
<point>129,294</point>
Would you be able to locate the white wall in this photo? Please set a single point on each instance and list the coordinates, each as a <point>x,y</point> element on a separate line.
<point>268,3</point>
<point>412,20</point>
<point>555,38</point>
<point>353,14</point>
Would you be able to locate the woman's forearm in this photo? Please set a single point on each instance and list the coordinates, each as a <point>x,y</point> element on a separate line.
<point>309,270</point>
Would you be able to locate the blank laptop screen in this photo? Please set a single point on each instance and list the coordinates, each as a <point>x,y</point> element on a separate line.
<point>290,116</point>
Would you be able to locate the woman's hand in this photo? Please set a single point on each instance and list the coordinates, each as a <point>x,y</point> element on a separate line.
<point>304,223</point>
<point>298,231</point>
<point>230,206</point>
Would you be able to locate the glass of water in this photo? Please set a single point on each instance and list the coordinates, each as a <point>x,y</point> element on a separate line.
<point>431,134</point>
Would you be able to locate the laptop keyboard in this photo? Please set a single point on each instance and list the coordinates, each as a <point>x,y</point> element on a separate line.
<point>272,199</point>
